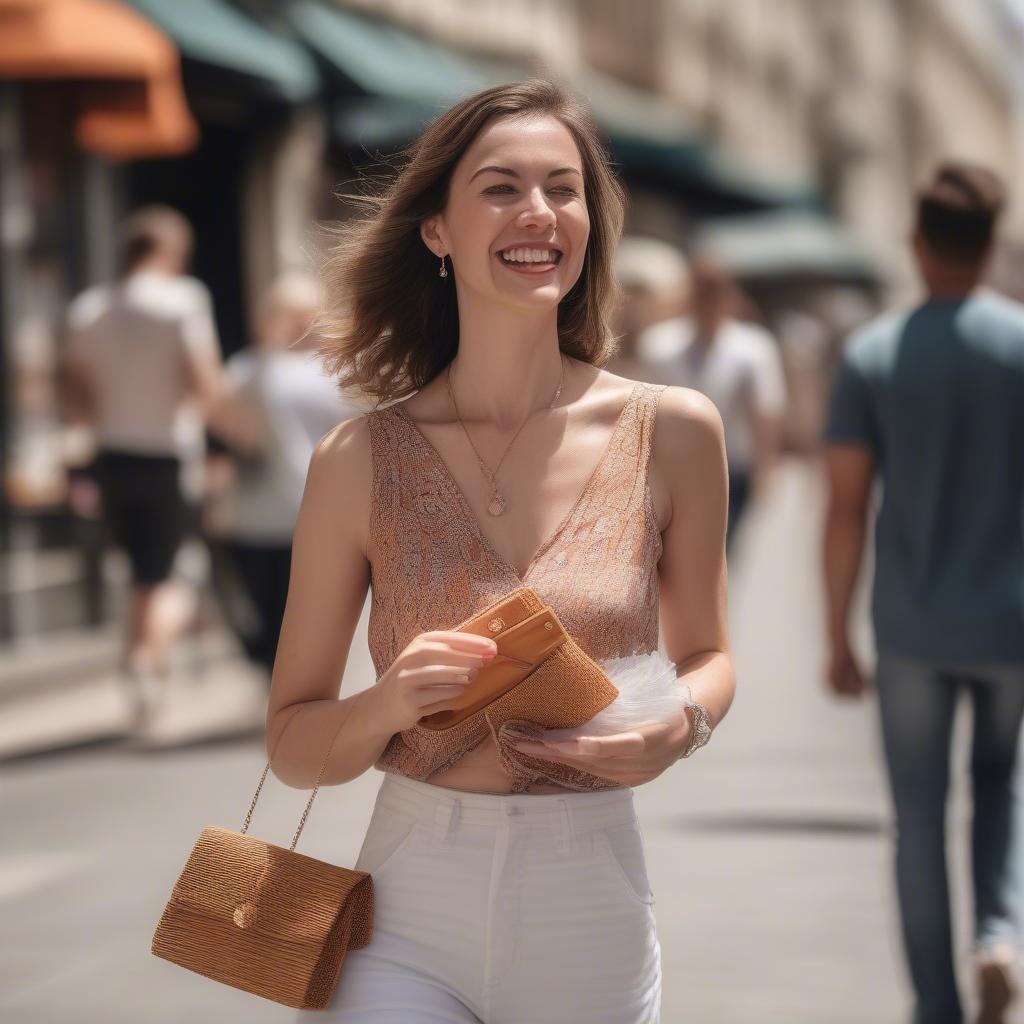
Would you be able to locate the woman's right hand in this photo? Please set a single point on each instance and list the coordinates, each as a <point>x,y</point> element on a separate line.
<point>428,675</point>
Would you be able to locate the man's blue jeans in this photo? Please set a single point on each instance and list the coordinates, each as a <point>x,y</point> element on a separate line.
<point>917,701</point>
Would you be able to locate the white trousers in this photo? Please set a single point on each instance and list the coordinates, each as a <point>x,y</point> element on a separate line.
<point>512,909</point>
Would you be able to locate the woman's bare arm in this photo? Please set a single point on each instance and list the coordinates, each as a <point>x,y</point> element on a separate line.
<point>329,580</point>
<point>690,455</point>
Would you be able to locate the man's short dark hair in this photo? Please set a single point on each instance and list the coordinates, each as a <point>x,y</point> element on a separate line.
<point>958,210</point>
<point>148,229</point>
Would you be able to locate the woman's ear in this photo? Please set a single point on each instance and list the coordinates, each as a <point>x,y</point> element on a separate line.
<point>431,236</point>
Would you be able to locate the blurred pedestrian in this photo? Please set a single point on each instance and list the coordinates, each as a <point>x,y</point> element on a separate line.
<point>737,365</point>
<point>931,400</point>
<point>654,280</point>
<point>278,393</point>
<point>142,354</point>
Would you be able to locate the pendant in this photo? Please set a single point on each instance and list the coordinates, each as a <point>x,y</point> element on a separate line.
<point>497,505</point>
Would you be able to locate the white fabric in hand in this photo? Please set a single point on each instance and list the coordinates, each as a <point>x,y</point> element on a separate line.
<point>649,691</point>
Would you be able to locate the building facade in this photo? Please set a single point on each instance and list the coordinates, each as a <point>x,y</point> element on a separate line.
<point>862,98</point>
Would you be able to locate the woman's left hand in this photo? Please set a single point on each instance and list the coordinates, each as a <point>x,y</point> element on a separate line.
<point>630,758</point>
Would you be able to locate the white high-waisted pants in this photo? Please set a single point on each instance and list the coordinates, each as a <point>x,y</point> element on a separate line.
<point>513,909</point>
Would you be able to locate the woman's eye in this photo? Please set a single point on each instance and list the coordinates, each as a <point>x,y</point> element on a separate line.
<point>564,190</point>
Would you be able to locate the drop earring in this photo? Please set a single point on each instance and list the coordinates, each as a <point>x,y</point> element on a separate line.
<point>443,272</point>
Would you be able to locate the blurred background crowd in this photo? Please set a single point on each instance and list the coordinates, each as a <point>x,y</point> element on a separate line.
<point>770,150</point>
<point>780,140</point>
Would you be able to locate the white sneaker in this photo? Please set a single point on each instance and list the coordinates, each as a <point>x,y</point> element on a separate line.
<point>143,693</point>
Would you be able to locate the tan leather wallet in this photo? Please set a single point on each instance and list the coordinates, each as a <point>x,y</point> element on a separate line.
<point>525,637</point>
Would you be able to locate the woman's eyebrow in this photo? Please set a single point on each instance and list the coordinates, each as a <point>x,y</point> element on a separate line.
<point>515,174</point>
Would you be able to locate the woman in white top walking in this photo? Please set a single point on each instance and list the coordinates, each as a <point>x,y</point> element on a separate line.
<point>279,385</point>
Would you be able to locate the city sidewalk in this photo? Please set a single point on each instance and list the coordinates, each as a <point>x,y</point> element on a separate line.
<point>769,851</point>
<point>212,693</point>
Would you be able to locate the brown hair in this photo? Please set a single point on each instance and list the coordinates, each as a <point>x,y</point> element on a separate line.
<point>957,211</point>
<point>148,229</point>
<point>389,325</point>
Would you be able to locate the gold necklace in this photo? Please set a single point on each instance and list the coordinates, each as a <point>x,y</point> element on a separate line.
<point>497,503</point>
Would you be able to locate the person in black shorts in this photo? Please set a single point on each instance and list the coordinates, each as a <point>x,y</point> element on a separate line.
<point>143,368</point>
<point>145,510</point>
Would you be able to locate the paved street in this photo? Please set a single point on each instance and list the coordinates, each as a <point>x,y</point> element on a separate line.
<point>768,851</point>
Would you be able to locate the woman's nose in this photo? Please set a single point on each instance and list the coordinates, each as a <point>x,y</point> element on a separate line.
<point>537,211</point>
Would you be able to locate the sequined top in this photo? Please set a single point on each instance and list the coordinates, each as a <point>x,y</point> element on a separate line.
<point>432,567</point>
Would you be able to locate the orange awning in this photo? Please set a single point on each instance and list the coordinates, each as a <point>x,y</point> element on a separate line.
<point>126,74</point>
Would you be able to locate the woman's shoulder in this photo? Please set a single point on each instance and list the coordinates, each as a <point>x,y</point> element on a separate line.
<point>343,454</point>
<point>687,450</point>
<point>687,420</point>
<point>348,447</point>
<point>682,410</point>
<point>688,408</point>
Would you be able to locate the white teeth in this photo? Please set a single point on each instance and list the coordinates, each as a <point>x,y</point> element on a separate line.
<point>522,255</point>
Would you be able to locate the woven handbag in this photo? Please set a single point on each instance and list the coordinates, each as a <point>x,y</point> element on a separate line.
<point>264,919</point>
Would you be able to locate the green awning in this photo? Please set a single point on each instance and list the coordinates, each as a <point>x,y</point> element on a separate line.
<point>381,60</point>
<point>214,33</point>
<point>763,188</point>
<point>393,82</point>
<point>379,121</point>
<point>786,243</point>
<point>653,142</point>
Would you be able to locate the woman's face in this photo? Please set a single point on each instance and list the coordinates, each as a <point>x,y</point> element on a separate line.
<point>516,223</point>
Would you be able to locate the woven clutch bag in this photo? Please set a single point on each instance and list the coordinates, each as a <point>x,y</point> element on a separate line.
<point>526,632</point>
<point>264,919</point>
<point>541,679</point>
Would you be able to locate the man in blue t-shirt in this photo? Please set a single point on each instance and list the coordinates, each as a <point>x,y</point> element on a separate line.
<point>931,401</point>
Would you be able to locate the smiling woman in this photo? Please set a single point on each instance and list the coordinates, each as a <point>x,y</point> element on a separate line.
<point>388,329</point>
<point>510,882</point>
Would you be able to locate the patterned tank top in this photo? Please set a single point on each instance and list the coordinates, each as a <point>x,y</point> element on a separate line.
<point>432,567</point>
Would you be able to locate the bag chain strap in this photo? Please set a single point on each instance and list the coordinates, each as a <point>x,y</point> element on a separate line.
<point>263,778</point>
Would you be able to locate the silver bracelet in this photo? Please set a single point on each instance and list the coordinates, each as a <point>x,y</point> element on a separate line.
<point>700,728</point>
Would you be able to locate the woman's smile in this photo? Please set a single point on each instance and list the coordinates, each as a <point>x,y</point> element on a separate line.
<point>530,260</point>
